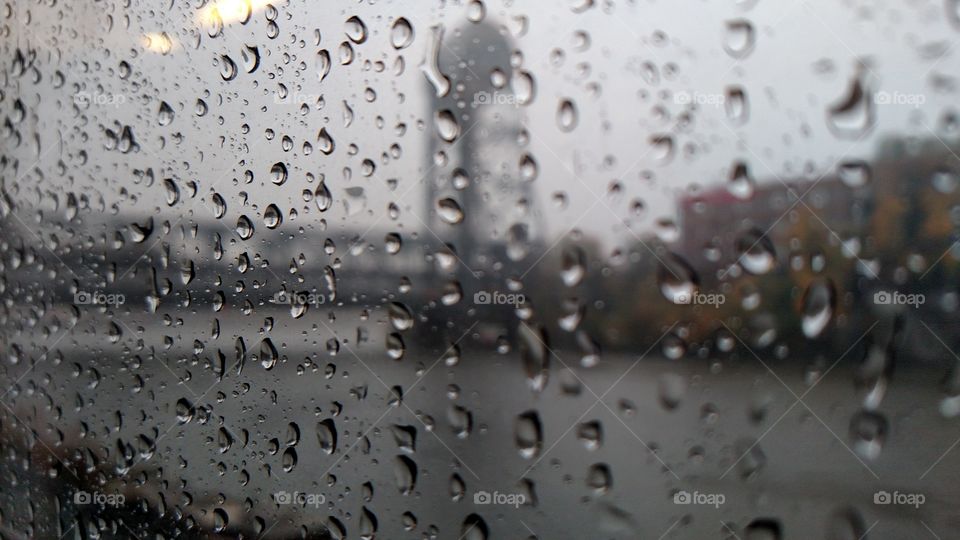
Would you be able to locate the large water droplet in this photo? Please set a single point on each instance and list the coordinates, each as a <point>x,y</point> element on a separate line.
<point>228,69</point>
<point>355,30</point>
<point>447,126</point>
<point>677,279</point>
<point>250,57</point>
<point>401,34</point>
<point>739,39</point>
<point>166,115</point>
<point>323,64</point>
<point>757,255</point>
<point>272,217</point>
<point>245,227</point>
<point>405,474</point>
<point>449,211</point>
<point>327,436</point>
<point>853,115</point>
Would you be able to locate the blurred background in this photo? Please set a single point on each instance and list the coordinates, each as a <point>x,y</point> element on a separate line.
<point>479,270</point>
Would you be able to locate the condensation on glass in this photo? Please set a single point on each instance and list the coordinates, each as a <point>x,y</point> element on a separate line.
<point>479,269</point>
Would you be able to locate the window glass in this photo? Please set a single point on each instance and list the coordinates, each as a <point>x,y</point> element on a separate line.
<point>479,269</point>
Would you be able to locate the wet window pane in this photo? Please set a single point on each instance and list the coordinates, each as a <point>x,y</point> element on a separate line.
<point>479,269</point>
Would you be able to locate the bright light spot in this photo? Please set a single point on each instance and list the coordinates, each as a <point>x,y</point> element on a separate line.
<point>229,11</point>
<point>158,42</point>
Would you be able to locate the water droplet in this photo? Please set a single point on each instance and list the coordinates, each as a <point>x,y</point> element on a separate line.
<point>323,64</point>
<point>228,69</point>
<point>430,65</point>
<point>250,57</point>
<point>752,458</point>
<point>741,184</point>
<point>672,388</point>
<point>599,478</point>
<point>736,105</point>
<point>224,440</point>
<point>220,520</point>
<point>474,528</point>
<point>590,434</point>
<point>868,431</point>
<point>566,115</point>
<point>323,197</point>
<point>529,434</point>
<point>400,316</point>
<point>677,279</point>
<point>219,205</point>
<point>461,421</point>
<point>518,241</point>
<point>476,11</point>
<point>392,243</point>
<point>535,356</point>
<point>346,53</point>
<point>944,180</point>
<point>739,39</point>
<point>244,227</point>
<point>327,436</point>
<point>854,173</point>
<point>757,255</point>
<point>449,211</point>
<point>289,459</point>
<point>355,30</point>
<point>368,524</point>
<point>766,529</point>
<point>325,142</point>
<point>395,346</point>
<point>853,115</point>
<point>573,267</point>
<point>185,411</point>
<point>819,301</point>
<point>524,87</point>
<point>278,173</point>
<point>272,217</point>
<point>405,474</point>
<point>173,192</point>
<point>447,126</point>
<point>166,115</point>
<point>401,34</point>
<point>663,147</point>
<point>528,168</point>
<point>268,354</point>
